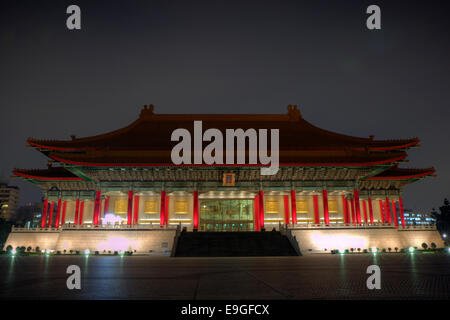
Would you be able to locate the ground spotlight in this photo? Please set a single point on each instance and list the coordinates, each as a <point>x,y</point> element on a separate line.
<point>374,250</point>
<point>411,249</point>
<point>13,252</point>
<point>87,251</point>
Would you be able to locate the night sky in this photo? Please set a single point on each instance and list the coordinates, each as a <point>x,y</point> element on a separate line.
<point>227,57</point>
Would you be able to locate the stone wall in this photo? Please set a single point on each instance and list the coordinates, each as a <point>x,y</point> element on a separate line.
<point>44,239</point>
<point>158,241</point>
<point>318,240</point>
<point>161,240</point>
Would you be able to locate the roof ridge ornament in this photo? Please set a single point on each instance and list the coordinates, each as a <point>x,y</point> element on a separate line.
<point>147,111</point>
<point>294,113</point>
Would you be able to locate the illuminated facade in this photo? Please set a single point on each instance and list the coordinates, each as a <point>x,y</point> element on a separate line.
<point>126,179</point>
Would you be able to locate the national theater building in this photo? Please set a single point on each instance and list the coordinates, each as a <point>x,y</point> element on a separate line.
<point>121,191</point>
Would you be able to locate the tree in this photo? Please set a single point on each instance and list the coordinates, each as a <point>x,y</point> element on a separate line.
<point>5,229</point>
<point>443,217</point>
<point>424,246</point>
<point>433,246</point>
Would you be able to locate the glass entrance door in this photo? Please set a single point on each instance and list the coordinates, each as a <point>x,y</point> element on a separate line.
<point>226,215</point>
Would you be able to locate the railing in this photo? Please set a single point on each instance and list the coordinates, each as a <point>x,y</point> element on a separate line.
<point>117,227</point>
<point>51,229</point>
<point>175,241</point>
<point>292,239</point>
<point>359,226</point>
<point>93,227</point>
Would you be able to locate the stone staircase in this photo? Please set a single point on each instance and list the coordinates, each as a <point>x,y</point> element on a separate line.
<point>233,244</point>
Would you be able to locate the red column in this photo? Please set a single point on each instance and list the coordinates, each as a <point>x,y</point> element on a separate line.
<point>162,210</point>
<point>294,207</point>
<point>80,219</point>
<point>44,213</point>
<point>105,211</point>
<point>136,210</point>
<point>357,207</point>
<point>130,207</point>
<point>326,215</point>
<point>97,206</point>
<point>77,208</point>
<point>196,210</point>
<point>63,219</point>
<point>316,209</point>
<point>402,213</point>
<point>370,210</point>
<point>382,211</point>
<point>286,209</point>
<point>166,213</point>
<point>50,214</point>
<point>58,213</point>
<point>344,208</point>
<point>353,211</point>
<point>261,209</point>
<point>256,205</point>
<point>365,211</point>
<point>394,214</point>
<point>388,211</point>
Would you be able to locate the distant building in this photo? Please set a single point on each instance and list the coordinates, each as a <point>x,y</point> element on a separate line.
<point>414,218</point>
<point>9,200</point>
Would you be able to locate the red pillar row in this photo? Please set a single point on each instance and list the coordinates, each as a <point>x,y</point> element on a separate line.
<point>195,210</point>
<point>44,213</point>
<point>80,218</point>
<point>97,207</point>
<point>365,211</point>
<point>357,207</point>
<point>394,214</point>
<point>136,210</point>
<point>77,209</point>
<point>387,213</point>
<point>167,210</point>
<point>316,209</point>
<point>326,215</point>
<point>402,214</point>
<point>50,214</point>
<point>370,210</point>
<point>130,207</point>
<point>286,209</point>
<point>261,209</point>
<point>294,207</point>
<point>63,219</point>
<point>58,213</point>
<point>162,209</point>
<point>256,205</point>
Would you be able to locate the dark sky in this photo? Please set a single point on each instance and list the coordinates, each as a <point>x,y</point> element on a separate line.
<point>227,57</point>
